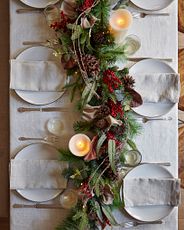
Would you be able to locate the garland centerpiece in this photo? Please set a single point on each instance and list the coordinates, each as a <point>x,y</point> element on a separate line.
<point>89,54</point>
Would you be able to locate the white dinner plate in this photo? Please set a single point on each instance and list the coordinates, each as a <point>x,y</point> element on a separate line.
<point>152,66</point>
<point>39,3</point>
<point>38,53</point>
<point>39,151</point>
<point>152,4</point>
<point>149,213</point>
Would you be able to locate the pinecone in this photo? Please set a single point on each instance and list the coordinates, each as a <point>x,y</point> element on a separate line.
<point>92,65</point>
<point>101,124</point>
<point>101,37</point>
<point>128,81</point>
<point>118,130</point>
<point>103,111</point>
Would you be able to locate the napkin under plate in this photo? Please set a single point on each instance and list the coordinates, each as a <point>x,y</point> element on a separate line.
<point>151,191</point>
<point>46,76</point>
<point>37,174</point>
<point>158,87</point>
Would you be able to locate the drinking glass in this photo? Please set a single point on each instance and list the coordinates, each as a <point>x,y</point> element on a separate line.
<point>52,14</point>
<point>132,44</point>
<point>69,198</point>
<point>132,158</point>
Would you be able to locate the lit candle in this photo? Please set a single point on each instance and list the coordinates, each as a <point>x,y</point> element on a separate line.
<point>79,145</point>
<point>120,21</point>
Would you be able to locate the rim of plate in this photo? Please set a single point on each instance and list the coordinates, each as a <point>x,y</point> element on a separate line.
<point>161,8</point>
<point>158,61</point>
<point>42,104</point>
<point>18,190</point>
<point>26,2</point>
<point>121,192</point>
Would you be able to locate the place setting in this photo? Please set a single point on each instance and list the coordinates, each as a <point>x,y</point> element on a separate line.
<point>92,167</point>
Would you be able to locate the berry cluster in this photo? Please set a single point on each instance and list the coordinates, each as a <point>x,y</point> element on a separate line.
<point>116,109</point>
<point>85,190</point>
<point>86,5</point>
<point>111,80</point>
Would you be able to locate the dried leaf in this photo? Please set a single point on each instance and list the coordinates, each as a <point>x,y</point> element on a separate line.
<point>108,213</point>
<point>111,153</point>
<point>136,98</point>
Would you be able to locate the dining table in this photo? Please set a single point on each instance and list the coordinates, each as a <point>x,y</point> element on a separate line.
<point>158,141</point>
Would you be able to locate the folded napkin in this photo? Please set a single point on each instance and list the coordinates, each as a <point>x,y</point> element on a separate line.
<point>37,76</point>
<point>37,174</point>
<point>151,191</point>
<point>158,87</point>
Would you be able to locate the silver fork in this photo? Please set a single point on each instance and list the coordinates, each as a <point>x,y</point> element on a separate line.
<point>146,119</point>
<point>52,139</point>
<point>132,224</point>
<point>143,15</point>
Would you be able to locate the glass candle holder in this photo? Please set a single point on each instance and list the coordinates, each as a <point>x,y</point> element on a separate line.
<point>52,14</point>
<point>120,21</point>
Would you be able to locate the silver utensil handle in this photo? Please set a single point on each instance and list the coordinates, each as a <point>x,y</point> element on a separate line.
<point>22,109</point>
<point>136,59</point>
<point>34,43</point>
<point>28,10</point>
<point>30,138</point>
<point>158,163</point>
<point>157,14</point>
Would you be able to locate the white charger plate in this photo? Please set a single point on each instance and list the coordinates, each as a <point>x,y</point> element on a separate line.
<point>38,53</point>
<point>39,3</point>
<point>152,4</point>
<point>39,151</point>
<point>149,213</point>
<point>152,66</point>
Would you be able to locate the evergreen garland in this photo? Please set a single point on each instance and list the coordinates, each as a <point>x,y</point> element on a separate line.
<point>88,52</point>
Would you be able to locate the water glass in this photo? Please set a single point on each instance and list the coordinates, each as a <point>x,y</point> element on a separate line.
<point>52,14</point>
<point>132,158</point>
<point>132,44</point>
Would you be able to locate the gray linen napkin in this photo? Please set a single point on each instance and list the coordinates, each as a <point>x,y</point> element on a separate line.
<point>37,76</point>
<point>158,87</point>
<point>151,191</point>
<point>37,174</point>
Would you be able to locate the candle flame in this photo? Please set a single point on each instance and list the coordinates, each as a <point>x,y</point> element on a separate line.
<point>81,145</point>
<point>120,21</point>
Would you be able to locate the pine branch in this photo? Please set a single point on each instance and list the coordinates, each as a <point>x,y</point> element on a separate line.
<point>134,128</point>
<point>66,155</point>
<point>101,11</point>
<point>69,223</point>
<point>82,126</point>
<point>111,54</point>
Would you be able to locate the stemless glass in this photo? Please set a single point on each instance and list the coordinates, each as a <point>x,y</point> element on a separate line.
<point>69,198</point>
<point>52,14</point>
<point>132,158</point>
<point>55,126</point>
<point>132,44</point>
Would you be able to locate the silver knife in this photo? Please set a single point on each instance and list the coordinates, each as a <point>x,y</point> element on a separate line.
<point>39,206</point>
<point>136,59</point>
<point>40,109</point>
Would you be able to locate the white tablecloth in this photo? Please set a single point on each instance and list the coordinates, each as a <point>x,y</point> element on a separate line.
<point>158,141</point>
